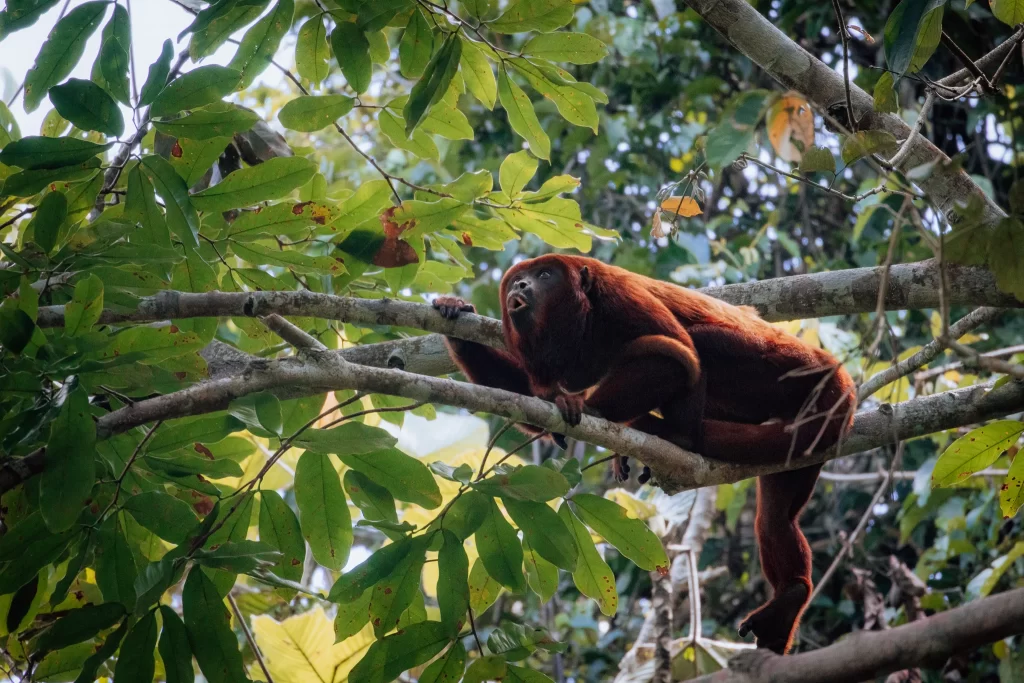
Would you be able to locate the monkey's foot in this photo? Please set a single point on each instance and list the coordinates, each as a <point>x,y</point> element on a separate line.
<point>571,408</point>
<point>751,661</point>
<point>774,623</point>
<point>450,307</point>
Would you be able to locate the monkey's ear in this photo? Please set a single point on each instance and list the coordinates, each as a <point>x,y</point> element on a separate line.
<point>586,280</point>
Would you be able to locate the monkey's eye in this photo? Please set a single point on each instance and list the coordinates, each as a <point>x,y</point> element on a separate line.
<point>544,274</point>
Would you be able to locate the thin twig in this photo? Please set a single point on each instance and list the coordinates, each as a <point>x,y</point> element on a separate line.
<point>899,475</point>
<point>844,35</point>
<point>930,373</point>
<point>979,75</point>
<point>249,637</point>
<point>904,151</point>
<point>800,179</point>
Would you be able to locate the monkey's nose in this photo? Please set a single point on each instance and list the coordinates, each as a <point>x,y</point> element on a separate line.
<point>522,284</point>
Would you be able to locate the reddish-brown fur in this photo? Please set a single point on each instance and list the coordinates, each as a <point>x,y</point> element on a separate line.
<point>726,384</point>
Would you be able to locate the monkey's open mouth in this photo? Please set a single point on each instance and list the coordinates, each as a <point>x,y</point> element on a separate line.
<point>517,303</point>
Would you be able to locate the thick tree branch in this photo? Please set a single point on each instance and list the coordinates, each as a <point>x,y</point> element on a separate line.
<point>909,286</point>
<point>793,67</point>
<point>865,655</point>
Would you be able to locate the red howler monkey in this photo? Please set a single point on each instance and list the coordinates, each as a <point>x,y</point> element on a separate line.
<point>727,384</point>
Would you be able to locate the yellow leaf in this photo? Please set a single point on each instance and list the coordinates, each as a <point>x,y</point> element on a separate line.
<point>676,164</point>
<point>791,127</point>
<point>686,207</point>
<point>302,648</point>
<point>637,509</point>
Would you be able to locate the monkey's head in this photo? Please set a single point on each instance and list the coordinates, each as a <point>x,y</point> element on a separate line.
<point>536,291</point>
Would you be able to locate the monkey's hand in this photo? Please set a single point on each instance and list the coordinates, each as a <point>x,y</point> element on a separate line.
<point>450,307</point>
<point>571,408</point>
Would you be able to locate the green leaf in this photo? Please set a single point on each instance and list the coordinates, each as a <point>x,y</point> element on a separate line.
<point>975,451</point>
<point>140,206</point>
<point>488,668</point>
<point>312,52</point>
<point>326,523</point>
<point>113,58</point>
<point>575,105</point>
<point>631,537</point>
<point>416,46</point>
<point>158,73</point>
<point>447,668</point>
<point>453,583</point>
<point>480,9</point>
<point>725,143</point>
<point>154,580</point>
<point>214,121</point>
<point>137,661</point>
<point>541,574</point>
<point>437,77</point>
<point>351,617</point>
<point>483,589</point>
<point>166,516</point>
<point>375,501</point>
<point>374,16</point>
<point>867,142</point>
<point>818,159</point>
<point>477,73</point>
<point>38,152</point>
<point>285,218</point>
<point>352,50</point>
<point>885,94</point>
<point>369,200</point>
<point>9,130</point>
<point>349,438</point>
<point>272,179</point>
<point>1011,493</point>
<point>310,113</point>
<point>466,514</point>
<point>175,651</point>
<point>209,631</point>
<point>985,582</point>
<point>22,14</point>
<point>28,183</point>
<point>16,329</point>
<point>279,527</point>
<point>105,652</point>
<point>565,46</point>
<point>88,106</point>
<point>530,482</point>
<point>516,171</point>
<point>79,625</point>
<point>115,565</point>
<point>903,32</point>
<point>389,657</point>
<point>500,549</point>
<point>193,159</point>
<point>533,15</point>
<point>544,530</point>
<point>521,674</point>
<point>522,117</point>
<point>189,431</point>
<point>260,43</point>
<point>181,214</point>
<point>52,212</point>
<point>395,592</point>
<point>198,88</point>
<point>63,48</point>
<point>393,127</point>
<point>66,482</point>
<point>351,585</point>
<point>593,577</point>
<point>1005,250</point>
<point>216,24</point>
<point>235,529</point>
<point>62,665</point>
<point>405,477</point>
<point>1010,12</point>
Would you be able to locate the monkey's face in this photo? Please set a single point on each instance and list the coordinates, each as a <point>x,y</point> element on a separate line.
<point>531,290</point>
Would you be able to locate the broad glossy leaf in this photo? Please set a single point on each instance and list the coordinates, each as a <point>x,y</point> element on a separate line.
<point>374,16</point>
<point>189,431</point>
<point>975,451</point>
<point>533,15</point>
<point>158,73</point>
<point>375,501</point>
<point>181,214</point>
<point>522,117</point>
<point>234,530</point>
<point>466,514</point>
<point>516,171</point>
<point>447,668</point>
<point>500,549</point>
<point>53,210</point>
<point>28,183</point>
<point>346,439</point>
<point>544,530</point>
<point>395,592</point>
<point>216,24</point>
<point>63,48</point>
<point>260,43</point>
<point>1010,12</point>
<point>312,52</point>
<point>102,654</point>
<point>23,13</point>
<point>310,113</point>
<point>325,520</point>
<point>478,74</point>
<point>391,656</point>
<point>453,582</point>
<point>483,588</point>
<point>213,121</point>
<point>197,88</point>
<point>39,152</point>
<point>113,59</point>
<point>175,651</point>
<point>416,47</point>
<point>541,575</point>
<point>284,218</point>
<point>115,565</point>
<point>421,144</point>
<point>351,585</point>
<point>351,617</point>
<point>818,159</point>
<point>523,674</point>
<point>593,577</point>
<point>725,143</point>
<point>370,199</point>
<point>193,159</point>
<point>884,94</point>
<point>1011,493</point>
<point>903,31</point>
<point>405,477</point>
<point>137,661</point>
<point>631,537</point>
<point>867,142</point>
<point>272,179</point>
<point>209,631</point>
<point>565,46</point>
<point>352,50</point>
<point>257,254</point>
<point>79,625</point>
<point>279,527</point>
<point>166,516</point>
<point>530,482</point>
<point>62,665</point>
<point>434,84</point>
<point>66,482</point>
<point>88,106</point>
<point>9,130</point>
<point>487,668</point>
